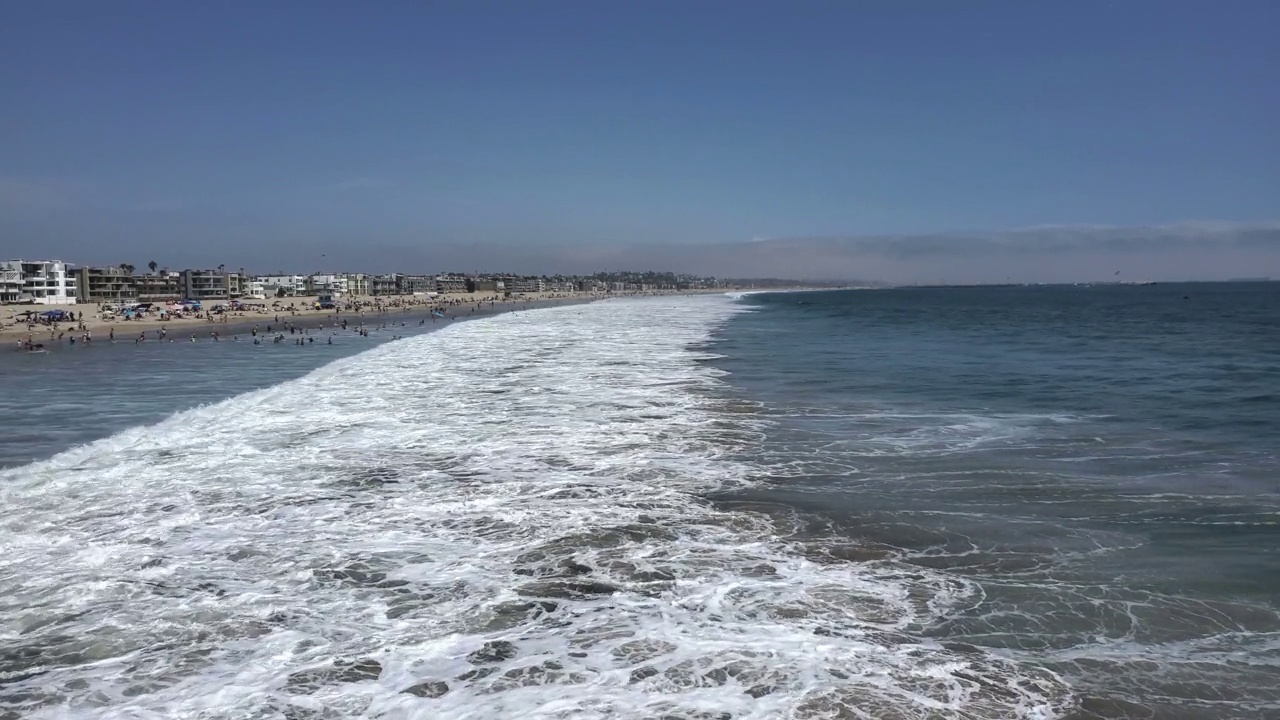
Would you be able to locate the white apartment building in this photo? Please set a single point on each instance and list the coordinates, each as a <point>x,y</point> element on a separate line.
<point>10,282</point>
<point>358,284</point>
<point>44,282</point>
<point>327,285</point>
<point>529,285</point>
<point>253,289</point>
<point>292,284</point>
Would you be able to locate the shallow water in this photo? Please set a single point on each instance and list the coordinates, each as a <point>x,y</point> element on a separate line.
<point>73,394</point>
<point>675,507</point>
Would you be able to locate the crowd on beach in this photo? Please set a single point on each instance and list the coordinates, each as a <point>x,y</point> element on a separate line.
<point>153,323</point>
<point>147,322</point>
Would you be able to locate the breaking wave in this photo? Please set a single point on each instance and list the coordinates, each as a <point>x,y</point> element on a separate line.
<point>505,517</point>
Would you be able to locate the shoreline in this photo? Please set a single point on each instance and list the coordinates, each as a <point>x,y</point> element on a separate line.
<point>306,321</point>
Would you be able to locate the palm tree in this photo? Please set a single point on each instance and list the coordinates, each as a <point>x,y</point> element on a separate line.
<point>153,265</point>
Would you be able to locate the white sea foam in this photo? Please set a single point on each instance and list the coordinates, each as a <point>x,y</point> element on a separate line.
<point>502,518</point>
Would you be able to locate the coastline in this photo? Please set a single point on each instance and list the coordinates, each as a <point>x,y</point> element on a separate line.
<point>400,310</point>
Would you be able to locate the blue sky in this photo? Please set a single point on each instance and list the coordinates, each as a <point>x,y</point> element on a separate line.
<point>281,130</point>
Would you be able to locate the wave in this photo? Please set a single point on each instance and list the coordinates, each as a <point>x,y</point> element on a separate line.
<point>504,517</point>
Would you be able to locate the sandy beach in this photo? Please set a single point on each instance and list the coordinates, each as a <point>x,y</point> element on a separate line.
<point>302,312</point>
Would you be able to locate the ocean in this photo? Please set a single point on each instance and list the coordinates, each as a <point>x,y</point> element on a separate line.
<point>1057,502</point>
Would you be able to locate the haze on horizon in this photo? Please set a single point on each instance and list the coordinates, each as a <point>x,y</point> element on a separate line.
<point>900,142</point>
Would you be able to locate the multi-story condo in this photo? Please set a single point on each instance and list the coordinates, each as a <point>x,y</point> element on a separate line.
<point>358,284</point>
<point>237,284</point>
<point>158,287</point>
<point>411,284</point>
<point>291,284</point>
<point>253,288</point>
<point>392,284</point>
<point>104,284</point>
<point>44,282</point>
<point>205,285</point>
<point>10,283</point>
<point>451,284</point>
<point>327,285</point>
<point>527,285</point>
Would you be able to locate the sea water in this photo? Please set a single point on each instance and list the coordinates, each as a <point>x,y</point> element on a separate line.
<point>986,503</point>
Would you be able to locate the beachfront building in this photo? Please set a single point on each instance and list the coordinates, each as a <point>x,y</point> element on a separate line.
<point>451,284</point>
<point>43,282</point>
<point>237,284</point>
<point>483,285</point>
<point>527,285</point>
<point>334,285</point>
<point>417,284</point>
<point>204,285</point>
<point>158,287</point>
<point>292,285</point>
<point>104,285</point>
<point>10,283</point>
<point>253,289</point>
<point>358,284</point>
<point>392,284</point>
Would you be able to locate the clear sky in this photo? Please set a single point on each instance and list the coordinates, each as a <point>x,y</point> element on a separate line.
<point>251,133</point>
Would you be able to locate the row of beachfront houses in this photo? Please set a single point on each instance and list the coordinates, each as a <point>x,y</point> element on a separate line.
<point>53,282</point>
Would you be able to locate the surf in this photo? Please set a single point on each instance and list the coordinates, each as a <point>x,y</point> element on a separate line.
<point>507,515</point>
